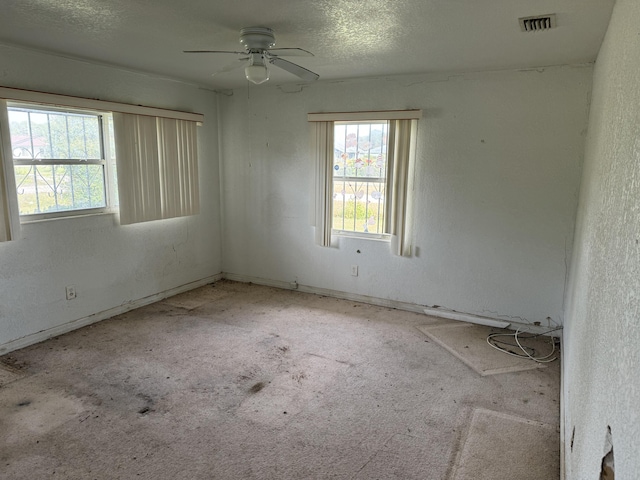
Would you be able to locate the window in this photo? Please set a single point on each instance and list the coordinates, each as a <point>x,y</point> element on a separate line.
<point>360,176</point>
<point>59,159</point>
<point>364,175</point>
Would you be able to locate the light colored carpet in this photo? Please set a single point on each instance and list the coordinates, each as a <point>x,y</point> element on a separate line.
<point>468,342</point>
<point>501,446</point>
<point>237,381</point>
<point>196,298</point>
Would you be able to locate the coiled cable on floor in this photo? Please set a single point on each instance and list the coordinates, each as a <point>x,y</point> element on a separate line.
<point>527,352</point>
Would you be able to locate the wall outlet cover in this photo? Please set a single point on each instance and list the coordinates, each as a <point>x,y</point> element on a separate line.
<point>71,292</point>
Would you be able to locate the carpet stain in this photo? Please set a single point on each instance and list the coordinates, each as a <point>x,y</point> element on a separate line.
<point>149,403</point>
<point>37,414</point>
<point>298,377</point>
<point>11,363</point>
<point>11,370</point>
<point>257,387</point>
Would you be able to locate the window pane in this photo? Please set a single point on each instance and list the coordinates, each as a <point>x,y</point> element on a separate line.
<point>358,206</point>
<point>39,134</point>
<point>359,173</point>
<point>58,136</point>
<point>55,188</point>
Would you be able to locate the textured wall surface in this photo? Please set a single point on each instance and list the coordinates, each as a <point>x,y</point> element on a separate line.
<point>602,332</point>
<point>497,181</point>
<point>108,264</point>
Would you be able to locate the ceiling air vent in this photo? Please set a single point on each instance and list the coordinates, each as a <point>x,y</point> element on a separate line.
<point>537,23</point>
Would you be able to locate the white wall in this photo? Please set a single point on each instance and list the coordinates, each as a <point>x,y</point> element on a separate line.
<point>499,162</point>
<point>109,265</point>
<point>602,333</point>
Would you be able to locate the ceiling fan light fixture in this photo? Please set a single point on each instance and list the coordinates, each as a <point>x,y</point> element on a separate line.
<point>256,73</point>
<point>259,56</point>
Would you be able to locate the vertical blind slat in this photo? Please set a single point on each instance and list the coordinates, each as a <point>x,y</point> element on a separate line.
<point>5,216</point>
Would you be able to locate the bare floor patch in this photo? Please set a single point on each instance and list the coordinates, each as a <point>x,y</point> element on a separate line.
<point>468,342</point>
<point>498,445</point>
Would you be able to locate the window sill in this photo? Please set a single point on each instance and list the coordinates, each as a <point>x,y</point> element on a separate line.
<point>47,217</point>
<point>379,237</point>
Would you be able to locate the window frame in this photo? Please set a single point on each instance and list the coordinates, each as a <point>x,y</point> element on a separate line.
<point>107,161</point>
<point>402,145</point>
<point>386,181</point>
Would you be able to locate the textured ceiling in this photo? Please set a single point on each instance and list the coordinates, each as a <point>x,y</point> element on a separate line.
<point>350,38</point>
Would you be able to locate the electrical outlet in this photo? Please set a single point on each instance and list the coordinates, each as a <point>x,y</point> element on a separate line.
<point>71,292</point>
<point>354,270</point>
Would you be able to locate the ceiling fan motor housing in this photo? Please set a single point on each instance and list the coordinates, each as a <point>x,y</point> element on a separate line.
<point>257,38</point>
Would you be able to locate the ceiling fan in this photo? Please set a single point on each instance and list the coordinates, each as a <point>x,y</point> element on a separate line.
<point>259,53</point>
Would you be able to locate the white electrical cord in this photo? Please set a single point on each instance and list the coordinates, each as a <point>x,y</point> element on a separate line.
<point>525,353</point>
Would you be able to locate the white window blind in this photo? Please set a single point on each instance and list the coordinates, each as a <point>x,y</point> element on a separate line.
<point>9,223</point>
<point>402,135</point>
<point>5,216</point>
<point>157,167</point>
<point>322,149</point>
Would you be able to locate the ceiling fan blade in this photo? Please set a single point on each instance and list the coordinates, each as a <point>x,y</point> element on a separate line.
<point>297,70</point>
<point>213,51</point>
<point>290,52</point>
<point>232,66</point>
